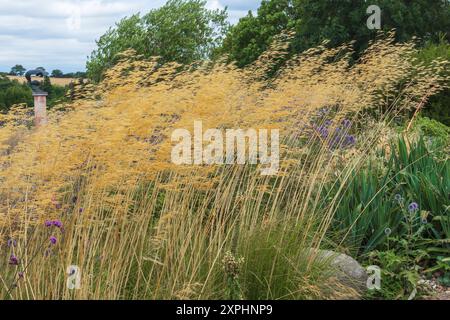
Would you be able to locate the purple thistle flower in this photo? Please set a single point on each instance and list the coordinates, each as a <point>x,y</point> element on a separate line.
<point>13,260</point>
<point>48,223</point>
<point>413,207</point>
<point>53,240</point>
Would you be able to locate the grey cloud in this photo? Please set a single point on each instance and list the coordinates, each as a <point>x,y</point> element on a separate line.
<point>47,32</point>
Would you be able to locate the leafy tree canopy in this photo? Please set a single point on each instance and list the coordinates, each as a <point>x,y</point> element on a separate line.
<point>181,31</point>
<point>337,21</point>
<point>57,73</point>
<point>17,70</point>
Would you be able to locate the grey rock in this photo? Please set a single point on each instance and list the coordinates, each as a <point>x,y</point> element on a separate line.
<point>346,269</point>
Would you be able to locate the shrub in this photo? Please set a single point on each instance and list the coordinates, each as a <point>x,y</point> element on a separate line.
<point>434,129</point>
<point>438,106</point>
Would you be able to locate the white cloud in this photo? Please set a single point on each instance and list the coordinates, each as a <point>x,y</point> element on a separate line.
<point>60,34</point>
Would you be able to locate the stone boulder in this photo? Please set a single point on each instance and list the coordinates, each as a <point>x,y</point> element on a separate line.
<point>346,269</point>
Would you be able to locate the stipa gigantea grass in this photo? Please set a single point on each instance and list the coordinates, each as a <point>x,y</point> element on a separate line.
<point>147,246</point>
<point>149,229</point>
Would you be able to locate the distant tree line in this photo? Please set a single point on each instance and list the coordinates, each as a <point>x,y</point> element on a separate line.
<point>19,70</point>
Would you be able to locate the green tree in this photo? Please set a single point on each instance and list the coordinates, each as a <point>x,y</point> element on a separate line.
<point>47,85</point>
<point>438,106</point>
<point>57,73</point>
<point>337,21</point>
<point>17,70</point>
<point>253,34</point>
<point>345,20</point>
<point>12,92</point>
<point>181,31</point>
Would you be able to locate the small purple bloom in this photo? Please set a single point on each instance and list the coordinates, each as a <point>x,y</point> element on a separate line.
<point>350,140</point>
<point>80,210</point>
<point>13,260</point>
<point>48,223</point>
<point>57,223</point>
<point>346,123</point>
<point>413,207</point>
<point>53,240</point>
<point>12,242</point>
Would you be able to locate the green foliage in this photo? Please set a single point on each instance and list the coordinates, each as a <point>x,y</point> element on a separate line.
<point>17,70</point>
<point>434,129</point>
<point>337,21</point>
<point>47,85</point>
<point>344,21</point>
<point>438,107</point>
<point>276,263</point>
<point>55,93</point>
<point>12,92</point>
<point>57,73</point>
<point>373,201</point>
<point>77,74</point>
<point>399,273</point>
<point>253,34</point>
<point>181,31</point>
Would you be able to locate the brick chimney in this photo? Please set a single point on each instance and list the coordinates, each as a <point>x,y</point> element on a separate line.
<point>40,108</point>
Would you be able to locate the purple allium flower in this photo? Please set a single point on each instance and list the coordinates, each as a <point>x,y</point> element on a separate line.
<point>413,207</point>
<point>13,260</point>
<point>48,223</point>
<point>12,242</point>
<point>57,223</point>
<point>53,240</point>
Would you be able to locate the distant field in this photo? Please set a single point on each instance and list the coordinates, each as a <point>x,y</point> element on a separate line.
<point>55,81</point>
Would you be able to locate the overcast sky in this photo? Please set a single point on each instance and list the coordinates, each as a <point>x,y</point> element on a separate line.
<point>60,34</point>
